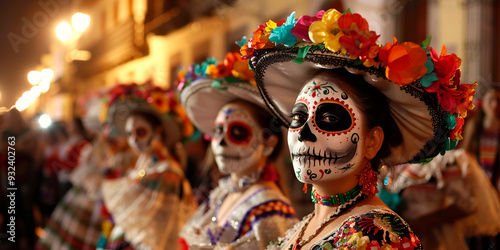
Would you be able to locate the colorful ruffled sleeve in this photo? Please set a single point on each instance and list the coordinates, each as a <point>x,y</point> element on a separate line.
<point>378,229</point>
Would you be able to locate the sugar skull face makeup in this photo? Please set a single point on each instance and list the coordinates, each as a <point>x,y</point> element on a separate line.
<point>236,144</point>
<point>325,133</point>
<point>139,133</point>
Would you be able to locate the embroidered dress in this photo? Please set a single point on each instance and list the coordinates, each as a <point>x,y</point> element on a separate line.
<point>76,221</point>
<point>150,211</point>
<point>377,228</point>
<point>259,219</point>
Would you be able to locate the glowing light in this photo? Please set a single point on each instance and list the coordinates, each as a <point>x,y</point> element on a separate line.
<point>35,92</point>
<point>63,31</point>
<point>22,103</point>
<point>44,86</point>
<point>44,121</point>
<point>80,21</point>
<point>47,75</point>
<point>34,77</point>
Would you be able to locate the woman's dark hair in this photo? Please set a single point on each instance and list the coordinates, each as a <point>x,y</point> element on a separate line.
<point>373,104</point>
<point>268,124</point>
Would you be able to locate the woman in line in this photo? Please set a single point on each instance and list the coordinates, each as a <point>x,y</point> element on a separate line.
<point>358,105</point>
<point>247,210</point>
<point>151,203</point>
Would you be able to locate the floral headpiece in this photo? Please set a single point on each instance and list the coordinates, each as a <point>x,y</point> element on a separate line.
<point>207,87</point>
<point>347,37</point>
<point>150,98</point>
<point>233,69</point>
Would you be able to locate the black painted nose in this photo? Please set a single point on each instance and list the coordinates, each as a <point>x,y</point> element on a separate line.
<point>305,134</point>
<point>223,142</point>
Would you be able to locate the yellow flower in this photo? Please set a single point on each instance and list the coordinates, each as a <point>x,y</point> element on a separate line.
<point>270,25</point>
<point>327,30</point>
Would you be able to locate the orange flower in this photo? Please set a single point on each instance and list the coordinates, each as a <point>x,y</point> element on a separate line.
<point>464,100</point>
<point>370,60</point>
<point>246,52</point>
<point>241,71</point>
<point>405,63</point>
<point>456,133</point>
<point>224,69</point>
<point>160,102</point>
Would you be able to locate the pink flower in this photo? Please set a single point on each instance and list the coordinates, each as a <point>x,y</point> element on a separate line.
<point>301,28</point>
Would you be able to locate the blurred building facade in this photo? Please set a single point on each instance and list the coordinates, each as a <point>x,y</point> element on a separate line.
<point>150,40</point>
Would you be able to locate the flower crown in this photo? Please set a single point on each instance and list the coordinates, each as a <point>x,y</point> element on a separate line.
<point>347,34</point>
<point>234,68</point>
<point>165,102</point>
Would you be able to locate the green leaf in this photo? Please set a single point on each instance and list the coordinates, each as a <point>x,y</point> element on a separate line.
<point>357,62</point>
<point>301,54</point>
<point>426,42</point>
<point>348,10</point>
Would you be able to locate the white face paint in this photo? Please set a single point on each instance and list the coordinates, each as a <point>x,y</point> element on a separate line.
<point>139,133</point>
<point>325,135</point>
<point>236,144</point>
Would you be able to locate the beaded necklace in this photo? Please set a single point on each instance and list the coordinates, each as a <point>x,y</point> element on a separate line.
<point>340,209</point>
<point>335,199</point>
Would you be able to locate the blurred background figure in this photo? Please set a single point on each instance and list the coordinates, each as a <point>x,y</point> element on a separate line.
<point>49,192</point>
<point>150,204</point>
<point>482,135</point>
<point>26,169</point>
<point>482,139</point>
<point>445,201</point>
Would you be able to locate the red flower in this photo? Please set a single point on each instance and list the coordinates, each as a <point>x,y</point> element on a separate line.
<point>405,62</point>
<point>446,68</point>
<point>349,21</point>
<point>358,43</point>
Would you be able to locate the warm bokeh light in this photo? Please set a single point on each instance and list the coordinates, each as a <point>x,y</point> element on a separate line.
<point>34,77</point>
<point>47,75</point>
<point>22,103</point>
<point>35,92</point>
<point>44,121</point>
<point>44,86</point>
<point>63,31</point>
<point>80,21</point>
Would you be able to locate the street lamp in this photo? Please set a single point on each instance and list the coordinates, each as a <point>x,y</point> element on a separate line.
<point>79,23</point>
<point>64,31</point>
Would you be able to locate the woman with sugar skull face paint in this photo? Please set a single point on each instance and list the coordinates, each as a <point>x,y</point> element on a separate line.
<point>247,210</point>
<point>358,106</point>
<point>151,203</point>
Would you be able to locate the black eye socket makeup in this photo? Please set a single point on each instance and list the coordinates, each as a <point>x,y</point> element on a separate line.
<point>300,112</point>
<point>239,133</point>
<point>332,117</point>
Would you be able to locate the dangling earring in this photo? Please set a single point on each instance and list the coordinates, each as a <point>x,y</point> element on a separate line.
<point>304,188</point>
<point>368,180</point>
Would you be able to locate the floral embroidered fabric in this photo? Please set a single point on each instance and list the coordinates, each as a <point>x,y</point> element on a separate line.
<point>376,229</point>
<point>259,219</point>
